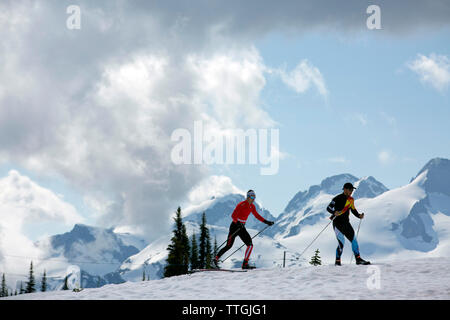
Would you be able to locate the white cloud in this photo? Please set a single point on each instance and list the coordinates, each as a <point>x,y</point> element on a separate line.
<point>228,87</point>
<point>361,118</point>
<point>303,77</point>
<point>338,160</point>
<point>26,205</point>
<point>434,70</point>
<point>212,186</point>
<point>385,157</point>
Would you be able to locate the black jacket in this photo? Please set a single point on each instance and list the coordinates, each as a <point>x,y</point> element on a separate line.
<point>342,204</point>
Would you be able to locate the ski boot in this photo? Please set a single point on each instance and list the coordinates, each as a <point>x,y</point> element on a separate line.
<point>361,261</point>
<point>337,262</point>
<point>215,263</point>
<point>245,265</point>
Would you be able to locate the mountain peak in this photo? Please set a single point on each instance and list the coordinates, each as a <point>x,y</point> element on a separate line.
<point>437,176</point>
<point>335,183</point>
<point>369,187</point>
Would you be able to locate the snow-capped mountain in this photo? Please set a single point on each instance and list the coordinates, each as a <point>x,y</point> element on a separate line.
<point>308,207</point>
<point>421,228</point>
<point>410,221</point>
<point>95,250</point>
<point>98,252</point>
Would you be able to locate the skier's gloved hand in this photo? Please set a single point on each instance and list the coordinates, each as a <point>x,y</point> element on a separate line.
<point>361,215</point>
<point>268,222</point>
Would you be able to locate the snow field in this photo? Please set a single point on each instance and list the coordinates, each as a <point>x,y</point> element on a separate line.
<point>415,279</point>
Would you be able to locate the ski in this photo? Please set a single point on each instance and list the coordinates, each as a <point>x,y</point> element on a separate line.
<point>227,270</point>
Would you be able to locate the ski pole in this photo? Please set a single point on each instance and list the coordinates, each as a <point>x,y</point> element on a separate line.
<point>316,237</point>
<point>357,233</point>
<point>244,244</point>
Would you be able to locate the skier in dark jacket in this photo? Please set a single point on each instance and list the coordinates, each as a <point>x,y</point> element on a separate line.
<point>340,208</point>
<point>237,228</point>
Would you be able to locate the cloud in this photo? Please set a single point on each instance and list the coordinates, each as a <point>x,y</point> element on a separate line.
<point>97,105</point>
<point>385,157</point>
<point>102,116</point>
<point>433,70</point>
<point>303,77</point>
<point>212,186</point>
<point>341,160</point>
<point>26,205</point>
<point>241,19</point>
<point>361,118</point>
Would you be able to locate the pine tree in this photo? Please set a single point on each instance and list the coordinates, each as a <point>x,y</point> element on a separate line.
<point>205,255</point>
<point>4,289</point>
<point>179,249</point>
<point>194,253</point>
<point>143,275</point>
<point>315,260</point>
<point>44,282</point>
<point>31,283</point>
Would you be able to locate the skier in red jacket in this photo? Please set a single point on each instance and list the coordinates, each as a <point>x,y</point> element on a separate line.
<point>237,228</point>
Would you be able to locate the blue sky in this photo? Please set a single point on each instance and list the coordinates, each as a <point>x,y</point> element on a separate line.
<point>375,103</point>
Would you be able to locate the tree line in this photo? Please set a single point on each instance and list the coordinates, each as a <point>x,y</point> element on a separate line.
<point>187,254</point>
<point>30,285</point>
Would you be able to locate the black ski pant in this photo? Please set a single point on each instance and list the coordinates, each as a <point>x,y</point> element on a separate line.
<point>237,229</point>
<point>345,230</point>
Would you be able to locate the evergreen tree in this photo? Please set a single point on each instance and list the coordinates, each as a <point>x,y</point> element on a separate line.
<point>44,282</point>
<point>143,275</point>
<point>194,253</point>
<point>178,258</point>
<point>315,260</point>
<point>205,255</point>
<point>4,289</point>
<point>31,283</point>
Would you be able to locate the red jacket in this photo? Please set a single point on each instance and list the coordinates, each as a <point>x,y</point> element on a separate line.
<point>243,210</point>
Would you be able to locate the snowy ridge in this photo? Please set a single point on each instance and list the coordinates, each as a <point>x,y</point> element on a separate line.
<point>309,207</point>
<point>413,279</point>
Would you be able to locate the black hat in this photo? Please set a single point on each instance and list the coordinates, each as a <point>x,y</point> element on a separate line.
<point>348,185</point>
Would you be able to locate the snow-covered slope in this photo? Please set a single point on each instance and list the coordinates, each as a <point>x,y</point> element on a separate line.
<point>266,253</point>
<point>412,279</point>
